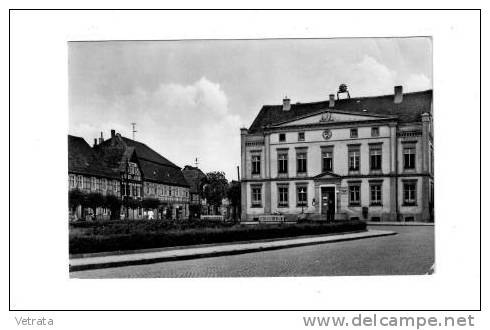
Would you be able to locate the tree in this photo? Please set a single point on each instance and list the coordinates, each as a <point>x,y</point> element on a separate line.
<point>150,203</point>
<point>113,203</point>
<point>75,198</point>
<point>215,188</point>
<point>234,196</point>
<point>95,200</point>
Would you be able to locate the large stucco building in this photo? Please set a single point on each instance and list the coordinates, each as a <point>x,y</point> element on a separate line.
<point>368,158</point>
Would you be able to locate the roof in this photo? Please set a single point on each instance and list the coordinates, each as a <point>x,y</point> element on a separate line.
<point>83,160</point>
<point>193,176</point>
<point>145,152</point>
<point>409,110</point>
<point>154,166</point>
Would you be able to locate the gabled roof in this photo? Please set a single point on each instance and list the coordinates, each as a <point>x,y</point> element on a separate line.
<point>83,160</point>
<point>194,177</point>
<point>154,167</point>
<point>409,110</point>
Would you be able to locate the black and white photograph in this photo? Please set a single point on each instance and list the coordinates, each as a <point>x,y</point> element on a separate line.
<point>245,169</point>
<point>251,158</point>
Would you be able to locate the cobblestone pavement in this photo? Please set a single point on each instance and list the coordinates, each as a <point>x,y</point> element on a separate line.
<point>409,252</point>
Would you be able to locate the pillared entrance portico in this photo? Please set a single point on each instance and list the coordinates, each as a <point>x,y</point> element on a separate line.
<point>327,197</point>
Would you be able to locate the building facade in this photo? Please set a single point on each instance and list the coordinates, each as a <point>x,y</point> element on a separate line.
<point>133,172</point>
<point>196,179</point>
<point>368,158</point>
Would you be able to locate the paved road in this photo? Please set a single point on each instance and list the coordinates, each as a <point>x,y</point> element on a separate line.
<point>409,252</point>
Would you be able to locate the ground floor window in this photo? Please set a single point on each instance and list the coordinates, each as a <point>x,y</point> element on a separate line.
<point>256,196</point>
<point>410,192</point>
<point>302,196</point>
<point>375,193</point>
<point>354,194</point>
<point>283,196</point>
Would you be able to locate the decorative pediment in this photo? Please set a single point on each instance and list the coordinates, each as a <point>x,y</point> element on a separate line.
<point>325,176</point>
<point>329,116</point>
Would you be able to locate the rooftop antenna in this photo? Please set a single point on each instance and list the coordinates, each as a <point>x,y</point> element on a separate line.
<point>134,129</point>
<point>196,162</point>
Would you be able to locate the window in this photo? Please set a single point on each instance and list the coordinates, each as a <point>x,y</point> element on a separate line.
<point>301,136</point>
<point>354,158</point>
<point>94,184</point>
<point>374,131</point>
<point>103,184</point>
<point>282,137</point>
<point>353,132</point>
<point>409,157</point>
<point>375,193</point>
<point>375,157</point>
<point>327,160</point>
<point>355,194</point>
<point>87,183</point>
<point>301,196</point>
<point>256,196</point>
<point>283,196</point>
<point>409,193</point>
<point>255,164</point>
<point>97,184</point>
<point>72,181</point>
<point>301,162</point>
<point>79,182</point>
<point>282,163</point>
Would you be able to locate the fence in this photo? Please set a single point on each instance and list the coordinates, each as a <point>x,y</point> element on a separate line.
<point>213,217</point>
<point>271,218</point>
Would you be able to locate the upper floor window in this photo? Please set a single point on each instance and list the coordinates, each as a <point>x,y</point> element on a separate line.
<point>301,162</point>
<point>410,192</point>
<point>301,136</point>
<point>353,132</point>
<point>255,164</point>
<point>79,182</point>
<point>282,163</point>
<point>103,184</point>
<point>374,131</point>
<point>409,156</point>
<point>72,181</point>
<point>87,183</point>
<point>282,137</point>
<point>375,156</point>
<point>327,160</point>
<point>256,196</point>
<point>354,158</point>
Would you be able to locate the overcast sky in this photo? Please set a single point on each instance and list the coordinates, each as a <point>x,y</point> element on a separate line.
<point>190,98</point>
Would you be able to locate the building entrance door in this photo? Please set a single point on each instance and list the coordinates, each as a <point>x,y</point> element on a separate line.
<point>328,202</point>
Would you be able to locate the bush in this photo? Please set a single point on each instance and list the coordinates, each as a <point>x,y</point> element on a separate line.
<point>132,235</point>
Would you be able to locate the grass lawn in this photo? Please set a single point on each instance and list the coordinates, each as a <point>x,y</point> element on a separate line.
<point>90,237</point>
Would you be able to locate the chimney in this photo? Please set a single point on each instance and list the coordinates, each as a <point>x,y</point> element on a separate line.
<point>331,101</point>
<point>398,94</point>
<point>101,139</point>
<point>113,133</point>
<point>95,142</point>
<point>286,104</point>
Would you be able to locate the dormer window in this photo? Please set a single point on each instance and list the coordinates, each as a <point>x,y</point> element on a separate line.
<point>282,137</point>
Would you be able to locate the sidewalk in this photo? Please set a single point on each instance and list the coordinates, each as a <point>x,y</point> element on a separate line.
<point>396,223</point>
<point>146,257</point>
